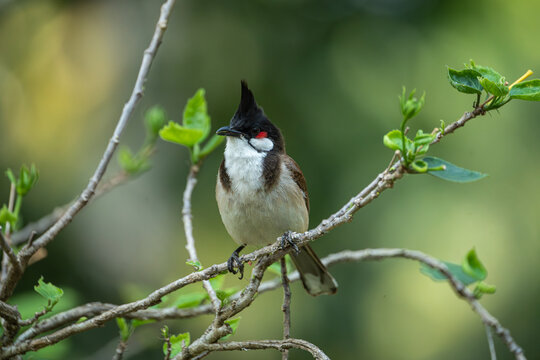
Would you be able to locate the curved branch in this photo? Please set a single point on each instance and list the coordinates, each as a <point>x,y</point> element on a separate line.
<point>281,345</point>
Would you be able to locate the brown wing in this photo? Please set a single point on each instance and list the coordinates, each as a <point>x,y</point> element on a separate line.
<point>297,176</point>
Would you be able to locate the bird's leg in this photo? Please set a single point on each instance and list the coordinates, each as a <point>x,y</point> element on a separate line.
<point>286,240</point>
<point>234,261</point>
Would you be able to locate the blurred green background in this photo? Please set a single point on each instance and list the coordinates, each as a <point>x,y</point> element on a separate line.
<point>328,74</point>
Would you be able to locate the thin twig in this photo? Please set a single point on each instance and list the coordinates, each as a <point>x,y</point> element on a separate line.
<point>280,345</point>
<point>491,345</point>
<point>5,259</point>
<point>9,251</point>
<point>34,318</point>
<point>11,204</point>
<point>286,307</point>
<point>94,309</point>
<point>27,251</point>
<point>120,350</point>
<point>169,348</point>
<point>188,229</point>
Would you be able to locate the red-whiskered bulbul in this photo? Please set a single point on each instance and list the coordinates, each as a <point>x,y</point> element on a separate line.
<point>262,194</point>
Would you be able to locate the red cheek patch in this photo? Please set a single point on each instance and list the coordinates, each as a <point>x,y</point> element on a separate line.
<point>261,135</point>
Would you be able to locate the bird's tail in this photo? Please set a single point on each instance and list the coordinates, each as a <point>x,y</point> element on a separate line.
<point>314,275</point>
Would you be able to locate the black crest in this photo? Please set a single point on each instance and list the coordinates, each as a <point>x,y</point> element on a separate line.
<point>247,106</point>
<point>250,119</point>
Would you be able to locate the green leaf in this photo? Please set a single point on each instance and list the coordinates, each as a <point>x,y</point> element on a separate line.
<point>196,265</point>
<point>465,81</point>
<point>233,323</point>
<point>419,166</point>
<point>451,172</point>
<point>483,288</point>
<point>7,216</point>
<point>492,81</point>
<point>190,300</point>
<point>179,134</point>
<point>177,344</point>
<point>526,90</point>
<point>27,179</point>
<point>423,139</point>
<point>49,292</point>
<point>124,327</point>
<point>132,164</point>
<point>410,106</point>
<point>392,140</point>
<point>217,282</point>
<point>224,294</point>
<point>195,114</point>
<point>154,119</point>
<point>11,177</point>
<point>454,269</point>
<point>494,88</point>
<point>473,267</point>
<point>211,145</point>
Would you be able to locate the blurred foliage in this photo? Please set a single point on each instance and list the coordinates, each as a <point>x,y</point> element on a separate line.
<point>326,72</point>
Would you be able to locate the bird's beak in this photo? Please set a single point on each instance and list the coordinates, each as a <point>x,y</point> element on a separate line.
<point>227,131</point>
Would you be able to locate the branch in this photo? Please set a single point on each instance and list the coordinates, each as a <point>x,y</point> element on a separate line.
<point>129,310</point>
<point>94,309</point>
<point>268,255</point>
<point>120,349</point>
<point>219,328</point>
<point>10,322</point>
<point>281,345</point>
<point>188,229</point>
<point>286,307</point>
<point>27,251</point>
<point>491,345</point>
<point>4,244</point>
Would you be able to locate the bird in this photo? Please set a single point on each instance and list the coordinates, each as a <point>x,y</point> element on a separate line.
<point>262,194</point>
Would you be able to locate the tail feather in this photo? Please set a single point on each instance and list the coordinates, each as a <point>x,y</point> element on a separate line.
<point>314,275</point>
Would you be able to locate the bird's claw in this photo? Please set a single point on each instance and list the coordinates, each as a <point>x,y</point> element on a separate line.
<point>286,240</point>
<point>235,262</point>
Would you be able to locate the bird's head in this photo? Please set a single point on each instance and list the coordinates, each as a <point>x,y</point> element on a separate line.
<point>250,125</point>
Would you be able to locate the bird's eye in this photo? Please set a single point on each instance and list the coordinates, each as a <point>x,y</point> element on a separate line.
<point>261,135</point>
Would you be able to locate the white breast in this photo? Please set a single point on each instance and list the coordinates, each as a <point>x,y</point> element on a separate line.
<point>250,213</point>
<point>244,166</point>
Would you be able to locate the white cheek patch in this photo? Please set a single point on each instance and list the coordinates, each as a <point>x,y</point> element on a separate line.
<point>263,144</point>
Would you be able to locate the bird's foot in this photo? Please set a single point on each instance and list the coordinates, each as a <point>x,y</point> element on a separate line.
<point>286,240</point>
<point>235,262</point>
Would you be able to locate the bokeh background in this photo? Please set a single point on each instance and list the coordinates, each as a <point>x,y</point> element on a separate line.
<point>328,73</point>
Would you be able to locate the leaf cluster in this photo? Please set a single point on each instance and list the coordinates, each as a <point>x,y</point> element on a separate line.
<point>194,129</point>
<point>475,79</point>
<point>470,272</point>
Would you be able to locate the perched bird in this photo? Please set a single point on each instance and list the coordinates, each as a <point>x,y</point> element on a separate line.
<point>262,194</point>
